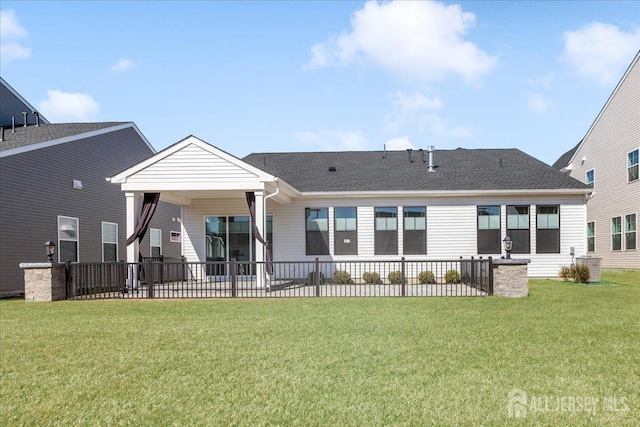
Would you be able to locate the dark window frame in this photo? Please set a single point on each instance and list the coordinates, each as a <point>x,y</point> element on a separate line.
<point>385,240</point>
<point>547,238</point>
<point>316,241</point>
<point>345,241</point>
<point>414,240</point>
<point>488,238</point>
<point>521,237</point>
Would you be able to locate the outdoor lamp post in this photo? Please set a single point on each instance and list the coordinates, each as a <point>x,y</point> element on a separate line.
<point>50,249</point>
<point>508,244</point>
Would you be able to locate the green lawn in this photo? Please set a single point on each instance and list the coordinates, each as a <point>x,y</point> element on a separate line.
<point>380,361</point>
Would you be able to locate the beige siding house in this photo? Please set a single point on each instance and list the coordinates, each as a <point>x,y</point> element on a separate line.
<point>607,158</point>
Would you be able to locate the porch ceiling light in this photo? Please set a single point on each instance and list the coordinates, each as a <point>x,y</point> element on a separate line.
<point>50,249</point>
<point>508,245</point>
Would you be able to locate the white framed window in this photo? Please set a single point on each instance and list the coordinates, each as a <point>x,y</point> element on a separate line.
<point>632,165</point>
<point>591,236</point>
<point>68,239</point>
<point>155,241</point>
<point>589,178</point>
<point>175,236</point>
<point>109,242</point>
<point>630,227</point>
<point>616,233</point>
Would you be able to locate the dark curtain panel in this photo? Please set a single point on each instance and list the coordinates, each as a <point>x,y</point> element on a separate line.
<point>149,204</point>
<point>251,202</point>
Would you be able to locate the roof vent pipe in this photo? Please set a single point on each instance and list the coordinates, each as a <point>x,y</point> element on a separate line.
<point>421,155</point>
<point>430,150</point>
<point>409,150</point>
<point>1,134</point>
<point>13,123</point>
<point>35,113</point>
<point>384,155</point>
<point>24,117</point>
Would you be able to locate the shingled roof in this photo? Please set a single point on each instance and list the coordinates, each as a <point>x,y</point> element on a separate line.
<point>456,170</point>
<point>24,136</point>
<point>563,160</point>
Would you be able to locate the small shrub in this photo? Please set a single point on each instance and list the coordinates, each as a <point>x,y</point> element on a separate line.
<point>581,273</point>
<point>566,273</point>
<point>426,277</point>
<point>452,276</point>
<point>341,277</point>
<point>395,277</point>
<point>370,278</point>
<point>311,278</point>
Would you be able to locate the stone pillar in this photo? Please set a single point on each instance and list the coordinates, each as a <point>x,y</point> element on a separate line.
<point>44,281</point>
<point>510,277</point>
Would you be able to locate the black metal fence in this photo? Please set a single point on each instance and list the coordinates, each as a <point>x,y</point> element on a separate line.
<point>155,278</point>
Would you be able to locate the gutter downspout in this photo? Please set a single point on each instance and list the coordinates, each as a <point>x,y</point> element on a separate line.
<point>264,214</point>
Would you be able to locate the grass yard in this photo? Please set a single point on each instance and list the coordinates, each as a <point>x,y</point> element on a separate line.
<point>379,361</point>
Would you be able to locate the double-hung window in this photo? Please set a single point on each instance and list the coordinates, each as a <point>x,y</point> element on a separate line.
<point>632,165</point>
<point>68,239</point>
<point>109,242</point>
<point>345,231</point>
<point>590,177</point>
<point>317,231</point>
<point>415,230</point>
<point>489,230</point>
<point>518,229</point>
<point>616,233</point>
<point>548,229</point>
<point>155,239</point>
<point>591,236</point>
<point>386,231</point>
<point>630,232</point>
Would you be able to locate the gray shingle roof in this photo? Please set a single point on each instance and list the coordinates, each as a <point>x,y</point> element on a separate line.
<point>29,135</point>
<point>456,170</point>
<point>564,159</point>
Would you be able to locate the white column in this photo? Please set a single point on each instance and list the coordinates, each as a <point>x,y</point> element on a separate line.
<point>133,210</point>
<point>260,249</point>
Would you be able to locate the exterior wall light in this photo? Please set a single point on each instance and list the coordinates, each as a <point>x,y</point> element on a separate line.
<point>508,245</point>
<point>50,249</point>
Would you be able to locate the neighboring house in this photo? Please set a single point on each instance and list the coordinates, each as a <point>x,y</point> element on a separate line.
<point>52,186</point>
<point>607,159</point>
<point>366,205</point>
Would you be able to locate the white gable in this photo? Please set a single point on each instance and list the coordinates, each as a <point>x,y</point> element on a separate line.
<point>192,164</point>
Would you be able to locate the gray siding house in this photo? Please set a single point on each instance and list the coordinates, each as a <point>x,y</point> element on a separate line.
<point>52,186</point>
<point>607,158</point>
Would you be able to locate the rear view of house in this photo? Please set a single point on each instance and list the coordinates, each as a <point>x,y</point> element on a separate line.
<point>52,186</point>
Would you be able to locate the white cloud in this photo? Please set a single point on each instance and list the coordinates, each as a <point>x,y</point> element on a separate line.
<point>414,39</point>
<point>333,140</point>
<point>542,81</point>
<point>539,103</point>
<point>416,110</point>
<point>409,110</point>
<point>123,64</point>
<point>600,51</point>
<point>69,107</point>
<point>399,143</point>
<point>10,34</point>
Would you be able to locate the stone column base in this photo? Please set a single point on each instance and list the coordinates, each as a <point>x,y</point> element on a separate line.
<point>510,277</point>
<point>44,281</point>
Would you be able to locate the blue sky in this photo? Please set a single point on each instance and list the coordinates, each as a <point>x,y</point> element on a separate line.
<point>314,76</point>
